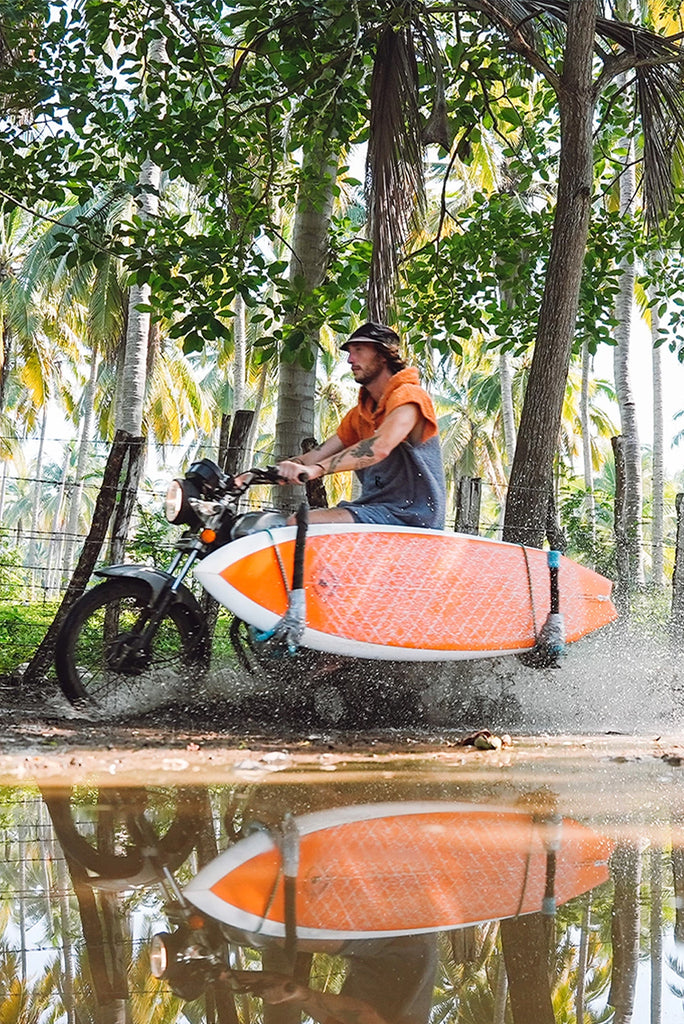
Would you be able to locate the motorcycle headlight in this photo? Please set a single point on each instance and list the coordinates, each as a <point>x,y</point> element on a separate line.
<point>177,506</point>
<point>159,955</point>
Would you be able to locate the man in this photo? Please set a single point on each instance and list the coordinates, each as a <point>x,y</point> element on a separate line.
<point>389,439</point>
<point>388,981</point>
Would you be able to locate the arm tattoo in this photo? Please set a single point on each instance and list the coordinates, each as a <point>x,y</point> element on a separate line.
<point>364,450</point>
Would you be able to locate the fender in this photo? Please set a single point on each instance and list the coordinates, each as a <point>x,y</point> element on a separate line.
<point>157,580</point>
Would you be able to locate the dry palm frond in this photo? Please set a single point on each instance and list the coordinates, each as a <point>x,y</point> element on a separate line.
<point>394,170</point>
<point>658,65</point>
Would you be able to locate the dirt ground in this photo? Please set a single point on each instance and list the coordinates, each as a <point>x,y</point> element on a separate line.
<point>43,739</point>
<point>42,735</point>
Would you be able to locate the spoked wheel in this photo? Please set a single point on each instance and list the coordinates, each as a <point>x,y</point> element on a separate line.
<point>113,832</point>
<point>103,658</point>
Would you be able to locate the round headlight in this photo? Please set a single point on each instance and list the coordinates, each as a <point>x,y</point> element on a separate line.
<point>173,503</point>
<point>159,955</point>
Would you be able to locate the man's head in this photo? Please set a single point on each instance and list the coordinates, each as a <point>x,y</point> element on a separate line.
<point>384,339</point>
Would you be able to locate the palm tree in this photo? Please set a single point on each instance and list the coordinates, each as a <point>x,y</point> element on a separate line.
<point>295,419</point>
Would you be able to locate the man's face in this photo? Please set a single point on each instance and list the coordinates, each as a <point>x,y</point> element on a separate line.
<point>365,361</point>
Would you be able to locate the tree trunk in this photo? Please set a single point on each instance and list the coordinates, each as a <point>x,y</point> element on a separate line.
<point>507,407</point>
<point>240,354</point>
<point>677,609</point>
<point>135,457</point>
<point>656,935</point>
<point>622,589</point>
<point>526,951</point>
<point>88,403</point>
<point>625,866</point>
<point>251,441</point>
<point>5,356</point>
<point>131,397</point>
<point>35,508</point>
<point>623,387</point>
<point>54,583</point>
<point>532,470</point>
<point>658,472</point>
<point>590,503</point>
<point>295,418</point>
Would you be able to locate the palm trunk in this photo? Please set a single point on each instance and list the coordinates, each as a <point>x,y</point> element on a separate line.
<point>656,935</point>
<point>296,384</point>
<point>81,463</point>
<point>582,960</point>
<point>626,871</point>
<point>35,510</point>
<point>507,408</point>
<point>532,472</point>
<point>134,376</point>
<point>3,490</point>
<point>658,474</point>
<point>590,503</point>
<point>5,354</point>
<point>132,394</point>
<point>253,434</point>
<point>240,355</point>
<point>623,387</point>
<point>56,535</point>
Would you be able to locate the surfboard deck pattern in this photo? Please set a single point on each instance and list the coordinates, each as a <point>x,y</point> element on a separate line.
<point>395,593</point>
<point>397,869</point>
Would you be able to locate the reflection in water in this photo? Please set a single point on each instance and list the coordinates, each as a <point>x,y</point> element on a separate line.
<point>366,900</point>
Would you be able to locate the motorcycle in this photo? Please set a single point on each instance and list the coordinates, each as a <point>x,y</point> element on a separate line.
<point>133,632</point>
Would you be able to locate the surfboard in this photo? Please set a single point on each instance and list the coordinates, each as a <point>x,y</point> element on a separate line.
<point>378,870</point>
<point>394,593</point>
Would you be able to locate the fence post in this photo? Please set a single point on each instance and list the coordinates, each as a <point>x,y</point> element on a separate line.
<point>677,611</point>
<point>235,449</point>
<point>316,494</point>
<point>468,498</point>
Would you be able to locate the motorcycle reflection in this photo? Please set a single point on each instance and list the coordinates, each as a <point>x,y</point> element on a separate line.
<point>376,883</point>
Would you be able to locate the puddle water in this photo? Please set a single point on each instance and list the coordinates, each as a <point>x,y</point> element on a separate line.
<point>537,883</point>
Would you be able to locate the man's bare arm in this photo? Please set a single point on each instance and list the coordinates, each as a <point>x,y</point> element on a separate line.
<point>324,1007</point>
<point>393,430</point>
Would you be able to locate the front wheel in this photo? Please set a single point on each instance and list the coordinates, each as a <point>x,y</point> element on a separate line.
<point>103,658</point>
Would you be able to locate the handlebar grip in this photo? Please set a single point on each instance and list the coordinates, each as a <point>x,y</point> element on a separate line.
<point>303,477</point>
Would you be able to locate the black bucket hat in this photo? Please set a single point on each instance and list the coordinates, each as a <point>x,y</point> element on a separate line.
<point>376,334</point>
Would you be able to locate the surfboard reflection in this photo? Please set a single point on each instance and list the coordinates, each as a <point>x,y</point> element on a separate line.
<point>376,884</point>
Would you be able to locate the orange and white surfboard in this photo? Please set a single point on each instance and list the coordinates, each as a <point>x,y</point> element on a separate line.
<point>396,593</point>
<point>377,870</point>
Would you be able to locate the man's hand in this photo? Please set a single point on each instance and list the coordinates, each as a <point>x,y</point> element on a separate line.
<point>297,473</point>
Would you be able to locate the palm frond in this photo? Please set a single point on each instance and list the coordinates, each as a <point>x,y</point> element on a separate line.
<point>395,183</point>
<point>658,65</point>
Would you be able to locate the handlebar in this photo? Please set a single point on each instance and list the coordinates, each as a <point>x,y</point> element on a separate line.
<point>266,475</point>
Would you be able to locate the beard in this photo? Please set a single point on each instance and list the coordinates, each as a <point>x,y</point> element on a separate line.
<point>370,373</point>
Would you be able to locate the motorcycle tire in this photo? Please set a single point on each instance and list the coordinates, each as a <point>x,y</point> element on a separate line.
<point>98,621</point>
<point>112,836</point>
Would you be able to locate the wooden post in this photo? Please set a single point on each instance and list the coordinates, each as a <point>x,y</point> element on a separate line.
<point>468,500</point>
<point>677,613</point>
<point>623,580</point>
<point>237,441</point>
<point>316,494</point>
